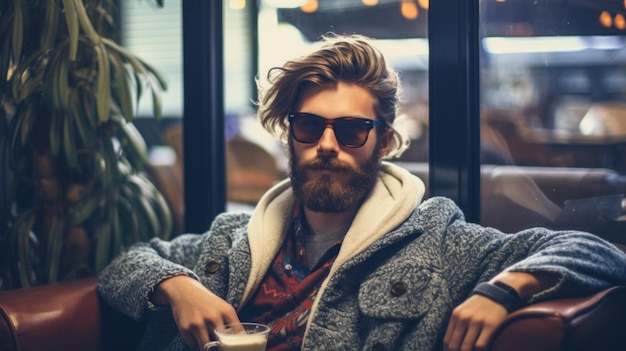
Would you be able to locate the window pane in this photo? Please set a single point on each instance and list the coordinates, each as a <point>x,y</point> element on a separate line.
<point>154,34</point>
<point>553,125</point>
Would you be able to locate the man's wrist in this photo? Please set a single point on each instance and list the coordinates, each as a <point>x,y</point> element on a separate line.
<point>501,293</point>
<point>527,284</point>
<point>509,289</point>
<point>160,295</point>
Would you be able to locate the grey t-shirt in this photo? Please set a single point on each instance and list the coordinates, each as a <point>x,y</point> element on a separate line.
<point>317,244</point>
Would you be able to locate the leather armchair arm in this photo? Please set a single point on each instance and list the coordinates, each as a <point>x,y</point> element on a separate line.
<point>64,316</point>
<point>69,316</point>
<point>595,322</point>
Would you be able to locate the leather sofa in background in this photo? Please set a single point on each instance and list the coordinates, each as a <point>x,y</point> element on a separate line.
<point>514,198</point>
<point>69,316</point>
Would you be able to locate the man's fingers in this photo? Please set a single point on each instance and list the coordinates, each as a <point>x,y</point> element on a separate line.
<point>232,318</point>
<point>189,339</point>
<point>202,337</point>
<point>470,337</point>
<point>229,316</point>
<point>485,337</point>
<point>448,335</point>
<point>455,334</point>
<point>236,328</point>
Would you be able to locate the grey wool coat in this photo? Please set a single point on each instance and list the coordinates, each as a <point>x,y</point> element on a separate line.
<point>401,270</point>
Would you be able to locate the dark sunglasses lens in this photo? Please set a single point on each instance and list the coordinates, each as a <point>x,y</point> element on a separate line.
<point>351,132</point>
<point>307,129</point>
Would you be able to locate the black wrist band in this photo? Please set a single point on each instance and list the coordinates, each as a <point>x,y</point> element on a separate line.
<point>509,289</point>
<point>500,293</point>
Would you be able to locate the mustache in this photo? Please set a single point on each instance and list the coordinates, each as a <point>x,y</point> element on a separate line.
<point>326,163</point>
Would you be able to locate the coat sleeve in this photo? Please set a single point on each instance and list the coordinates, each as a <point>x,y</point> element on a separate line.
<point>129,280</point>
<point>583,262</point>
<point>127,283</point>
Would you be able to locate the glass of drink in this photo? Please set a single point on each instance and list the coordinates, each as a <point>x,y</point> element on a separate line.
<point>240,337</point>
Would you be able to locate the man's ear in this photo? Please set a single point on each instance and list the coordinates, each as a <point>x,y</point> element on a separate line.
<point>386,142</point>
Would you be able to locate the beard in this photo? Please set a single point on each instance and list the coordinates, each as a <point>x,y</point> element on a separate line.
<point>327,193</point>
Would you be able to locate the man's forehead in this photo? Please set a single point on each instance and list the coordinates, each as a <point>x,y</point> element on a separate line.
<point>351,99</point>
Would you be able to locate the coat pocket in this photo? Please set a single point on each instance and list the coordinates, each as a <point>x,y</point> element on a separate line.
<point>404,292</point>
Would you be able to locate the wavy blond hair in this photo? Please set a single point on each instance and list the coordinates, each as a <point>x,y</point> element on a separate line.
<point>347,58</point>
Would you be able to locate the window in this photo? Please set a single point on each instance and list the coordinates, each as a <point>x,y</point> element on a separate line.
<point>552,114</point>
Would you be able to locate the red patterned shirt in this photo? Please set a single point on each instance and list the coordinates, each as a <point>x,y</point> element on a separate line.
<point>286,294</point>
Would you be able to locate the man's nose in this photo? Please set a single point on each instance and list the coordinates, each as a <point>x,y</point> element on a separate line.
<point>328,140</point>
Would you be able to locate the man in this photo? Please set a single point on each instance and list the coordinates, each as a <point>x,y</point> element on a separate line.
<point>342,256</point>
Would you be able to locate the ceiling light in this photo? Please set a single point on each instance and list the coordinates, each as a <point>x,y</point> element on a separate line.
<point>284,3</point>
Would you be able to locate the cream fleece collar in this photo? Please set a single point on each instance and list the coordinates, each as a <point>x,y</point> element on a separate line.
<point>396,193</point>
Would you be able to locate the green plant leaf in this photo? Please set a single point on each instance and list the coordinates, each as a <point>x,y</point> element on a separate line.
<point>104,84</point>
<point>156,100</point>
<point>62,84</point>
<point>51,25</point>
<point>133,145</point>
<point>21,127</point>
<point>82,122</point>
<point>140,219</point>
<point>69,144</point>
<point>116,232</point>
<point>109,163</point>
<point>56,132</point>
<point>136,64</point>
<point>138,87</point>
<point>56,78</point>
<point>18,30</point>
<point>142,203</point>
<point>6,52</point>
<point>73,28</point>
<point>28,78</point>
<point>103,245</point>
<point>85,22</point>
<point>153,71</point>
<point>21,233</point>
<point>15,145</point>
<point>87,110</point>
<point>28,70</point>
<point>123,90</point>
<point>159,204</point>
<point>80,211</point>
<point>54,248</point>
<point>128,222</point>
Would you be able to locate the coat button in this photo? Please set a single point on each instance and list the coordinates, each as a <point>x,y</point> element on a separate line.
<point>211,267</point>
<point>398,288</point>
<point>379,347</point>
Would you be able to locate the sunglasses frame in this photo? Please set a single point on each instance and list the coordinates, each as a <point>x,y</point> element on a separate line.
<point>368,123</point>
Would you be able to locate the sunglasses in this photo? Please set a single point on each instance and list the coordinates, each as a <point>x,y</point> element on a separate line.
<point>350,132</point>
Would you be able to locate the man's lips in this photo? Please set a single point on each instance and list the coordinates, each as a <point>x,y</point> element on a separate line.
<point>321,171</point>
<point>325,170</point>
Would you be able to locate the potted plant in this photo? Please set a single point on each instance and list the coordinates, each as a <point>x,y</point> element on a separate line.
<point>75,194</point>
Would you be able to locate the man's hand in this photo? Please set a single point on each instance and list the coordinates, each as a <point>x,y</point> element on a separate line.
<point>472,324</point>
<point>196,310</point>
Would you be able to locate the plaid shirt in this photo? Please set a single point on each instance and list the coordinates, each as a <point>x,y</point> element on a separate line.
<point>284,298</point>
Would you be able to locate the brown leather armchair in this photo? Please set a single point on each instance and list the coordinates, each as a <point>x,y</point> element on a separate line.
<point>69,316</point>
